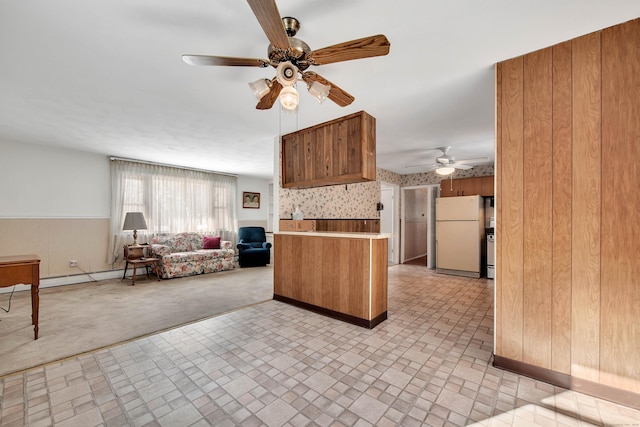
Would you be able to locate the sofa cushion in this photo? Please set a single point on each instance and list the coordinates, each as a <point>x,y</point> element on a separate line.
<point>211,242</point>
<point>160,250</point>
<point>179,242</point>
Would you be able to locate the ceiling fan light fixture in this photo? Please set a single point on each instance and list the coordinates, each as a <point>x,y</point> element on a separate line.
<point>445,170</point>
<point>286,74</point>
<point>289,98</point>
<point>260,87</point>
<point>319,91</point>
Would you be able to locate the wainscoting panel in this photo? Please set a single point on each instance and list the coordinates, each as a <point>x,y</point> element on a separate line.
<point>567,235</point>
<point>57,241</point>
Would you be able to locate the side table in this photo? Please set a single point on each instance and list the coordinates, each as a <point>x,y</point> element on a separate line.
<point>135,255</point>
<point>143,262</point>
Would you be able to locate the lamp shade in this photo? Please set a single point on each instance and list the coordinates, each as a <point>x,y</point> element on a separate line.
<point>134,221</point>
<point>445,170</point>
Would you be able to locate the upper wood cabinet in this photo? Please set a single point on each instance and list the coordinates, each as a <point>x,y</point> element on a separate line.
<point>341,151</point>
<point>482,186</point>
<point>449,187</point>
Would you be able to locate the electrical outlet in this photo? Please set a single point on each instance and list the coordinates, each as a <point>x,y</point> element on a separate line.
<point>73,263</point>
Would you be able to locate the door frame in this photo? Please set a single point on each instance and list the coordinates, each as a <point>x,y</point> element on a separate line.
<point>395,209</point>
<point>436,188</point>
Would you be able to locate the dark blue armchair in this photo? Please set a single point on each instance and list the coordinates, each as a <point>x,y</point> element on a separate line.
<point>253,248</point>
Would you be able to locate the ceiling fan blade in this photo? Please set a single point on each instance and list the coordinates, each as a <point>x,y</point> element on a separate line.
<point>336,94</point>
<point>269,99</point>
<point>269,18</point>
<point>462,166</point>
<point>428,166</point>
<point>476,160</point>
<point>355,49</point>
<point>224,60</point>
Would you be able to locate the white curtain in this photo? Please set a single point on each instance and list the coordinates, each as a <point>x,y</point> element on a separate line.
<point>172,200</point>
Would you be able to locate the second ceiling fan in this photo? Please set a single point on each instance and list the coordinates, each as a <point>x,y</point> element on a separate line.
<point>446,164</point>
<point>292,57</point>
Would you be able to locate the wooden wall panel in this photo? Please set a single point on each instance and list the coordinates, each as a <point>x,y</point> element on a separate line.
<point>380,273</point>
<point>282,249</point>
<point>595,155</point>
<point>562,167</point>
<point>512,208</point>
<point>359,268</point>
<point>620,307</point>
<point>586,194</point>
<point>537,183</point>
<point>497,333</point>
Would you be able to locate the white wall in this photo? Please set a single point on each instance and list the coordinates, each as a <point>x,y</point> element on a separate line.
<point>253,185</point>
<point>55,203</point>
<point>43,182</point>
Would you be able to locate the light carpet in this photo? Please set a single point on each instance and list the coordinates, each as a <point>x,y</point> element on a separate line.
<point>78,318</point>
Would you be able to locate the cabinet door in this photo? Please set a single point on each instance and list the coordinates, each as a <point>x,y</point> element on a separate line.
<point>487,186</point>
<point>449,187</point>
<point>470,187</point>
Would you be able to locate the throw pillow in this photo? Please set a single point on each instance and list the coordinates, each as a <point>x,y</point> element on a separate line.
<point>211,242</point>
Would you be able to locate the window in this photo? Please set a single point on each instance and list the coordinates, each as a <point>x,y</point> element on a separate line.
<point>173,200</point>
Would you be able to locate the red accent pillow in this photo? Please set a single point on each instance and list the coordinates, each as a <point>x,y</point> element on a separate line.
<point>211,242</point>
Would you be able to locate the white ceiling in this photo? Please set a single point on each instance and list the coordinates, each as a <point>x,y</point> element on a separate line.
<point>106,76</point>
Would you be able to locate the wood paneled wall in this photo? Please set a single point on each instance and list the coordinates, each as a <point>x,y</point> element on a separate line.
<point>567,208</point>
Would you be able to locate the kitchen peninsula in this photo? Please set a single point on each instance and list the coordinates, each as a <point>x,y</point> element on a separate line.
<point>339,274</point>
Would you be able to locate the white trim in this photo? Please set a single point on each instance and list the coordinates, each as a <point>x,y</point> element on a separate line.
<point>51,282</point>
<point>403,214</point>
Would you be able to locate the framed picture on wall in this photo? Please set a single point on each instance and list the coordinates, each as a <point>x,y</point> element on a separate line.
<point>250,200</point>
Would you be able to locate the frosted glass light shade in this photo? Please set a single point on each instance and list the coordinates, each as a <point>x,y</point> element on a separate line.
<point>319,91</point>
<point>289,98</point>
<point>260,87</point>
<point>445,170</point>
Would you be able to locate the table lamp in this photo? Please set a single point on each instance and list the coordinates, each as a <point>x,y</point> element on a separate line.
<point>134,221</point>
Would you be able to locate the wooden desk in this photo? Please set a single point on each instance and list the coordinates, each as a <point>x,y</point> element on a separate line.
<point>23,269</point>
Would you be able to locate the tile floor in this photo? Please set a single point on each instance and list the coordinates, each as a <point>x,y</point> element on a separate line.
<point>276,365</point>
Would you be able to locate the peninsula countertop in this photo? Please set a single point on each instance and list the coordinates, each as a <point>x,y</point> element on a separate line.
<point>340,234</point>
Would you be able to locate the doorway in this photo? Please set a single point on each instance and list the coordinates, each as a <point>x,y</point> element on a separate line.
<point>418,224</point>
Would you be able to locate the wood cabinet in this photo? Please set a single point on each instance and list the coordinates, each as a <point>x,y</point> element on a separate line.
<point>349,225</point>
<point>487,186</point>
<point>344,277</point>
<point>481,186</point>
<point>341,151</point>
<point>449,187</point>
<point>297,225</point>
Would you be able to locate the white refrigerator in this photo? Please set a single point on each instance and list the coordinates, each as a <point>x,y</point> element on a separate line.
<point>460,235</point>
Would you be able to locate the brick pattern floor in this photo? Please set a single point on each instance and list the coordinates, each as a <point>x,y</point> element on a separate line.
<point>273,365</point>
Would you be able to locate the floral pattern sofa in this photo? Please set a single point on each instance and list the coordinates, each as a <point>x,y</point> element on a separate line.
<point>183,254</point>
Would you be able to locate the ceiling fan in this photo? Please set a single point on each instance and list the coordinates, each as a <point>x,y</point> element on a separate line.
<point>446,164</point>
<point>292,57</point>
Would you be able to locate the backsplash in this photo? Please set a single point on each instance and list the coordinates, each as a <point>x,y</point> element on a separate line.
<point>333,201</point>
<point>350,201</point>
<point>428,178</point>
